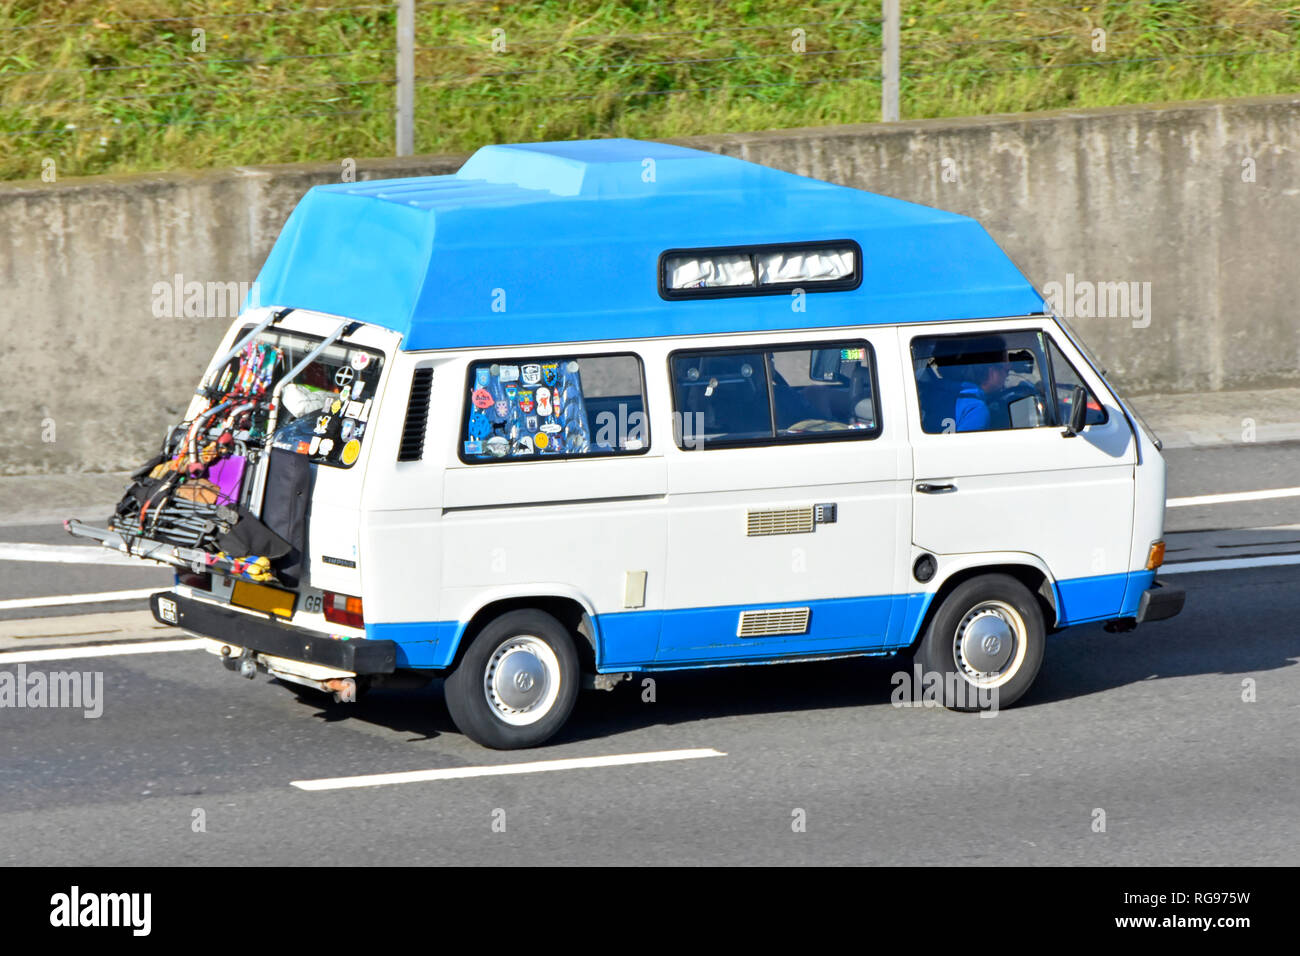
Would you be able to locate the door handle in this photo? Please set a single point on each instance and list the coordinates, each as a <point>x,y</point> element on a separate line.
<point>926,488</point>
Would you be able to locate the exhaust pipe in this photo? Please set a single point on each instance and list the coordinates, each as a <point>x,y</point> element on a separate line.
<point>344,688</point>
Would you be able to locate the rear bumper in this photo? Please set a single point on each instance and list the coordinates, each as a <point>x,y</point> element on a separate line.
<point>359,655</point>
<point>1160,601</point>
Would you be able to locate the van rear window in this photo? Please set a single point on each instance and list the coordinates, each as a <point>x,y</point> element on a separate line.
<point>325,410</point>
<point>554,407</point>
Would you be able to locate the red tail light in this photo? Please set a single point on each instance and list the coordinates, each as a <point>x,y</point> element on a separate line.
<point>341,609</point>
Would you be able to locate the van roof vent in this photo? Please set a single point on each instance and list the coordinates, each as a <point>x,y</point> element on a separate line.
<point>417,416</point>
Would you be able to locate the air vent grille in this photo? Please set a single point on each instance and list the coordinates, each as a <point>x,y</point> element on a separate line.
<point>780,521</point>
<point>417,416</point>
<point>782,620</point>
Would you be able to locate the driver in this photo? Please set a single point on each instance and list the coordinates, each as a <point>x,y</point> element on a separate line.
<point>978,406</point>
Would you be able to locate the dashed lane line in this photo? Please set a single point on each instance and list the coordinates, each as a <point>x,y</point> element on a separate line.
<point>537,766</point>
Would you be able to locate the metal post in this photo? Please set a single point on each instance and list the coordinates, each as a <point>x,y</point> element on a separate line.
<point>889,64</point>
<point>405,77</point>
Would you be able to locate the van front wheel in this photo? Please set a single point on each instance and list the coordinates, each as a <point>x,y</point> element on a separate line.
<point>517,683</point>
<point>985,642</point>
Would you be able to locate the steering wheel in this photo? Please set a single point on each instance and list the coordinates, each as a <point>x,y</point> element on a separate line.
<point>999,403</point>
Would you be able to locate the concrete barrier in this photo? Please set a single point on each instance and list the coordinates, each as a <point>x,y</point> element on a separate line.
<point>1169,234</point>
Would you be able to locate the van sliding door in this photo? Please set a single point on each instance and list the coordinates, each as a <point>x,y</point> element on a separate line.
<point>788,501</point>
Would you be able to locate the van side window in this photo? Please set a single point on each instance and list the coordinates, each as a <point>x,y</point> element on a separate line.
<point>801,393</point>
<point>554,407</point>
<point>1067,379</point>
<point>982,382</point>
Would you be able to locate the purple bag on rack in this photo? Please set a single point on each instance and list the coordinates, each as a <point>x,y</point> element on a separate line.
<point>228,475</point>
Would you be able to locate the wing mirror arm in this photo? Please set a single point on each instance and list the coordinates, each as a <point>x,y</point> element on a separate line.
<point>1078,413</point>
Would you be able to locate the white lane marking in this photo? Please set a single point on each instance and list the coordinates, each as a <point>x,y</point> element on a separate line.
<point>1232,496</point>
<point>58,600</point>
<point>538,766</point>
<point>1229,564</point>
<point>102,650</point>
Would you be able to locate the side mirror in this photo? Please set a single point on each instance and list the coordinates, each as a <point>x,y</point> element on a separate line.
<point>1078,412</point>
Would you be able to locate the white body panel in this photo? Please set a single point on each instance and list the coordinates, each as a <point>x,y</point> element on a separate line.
<point>572,528</point>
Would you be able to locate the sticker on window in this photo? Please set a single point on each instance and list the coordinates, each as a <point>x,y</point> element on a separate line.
<point>554,408</point>
<point>323,410</point>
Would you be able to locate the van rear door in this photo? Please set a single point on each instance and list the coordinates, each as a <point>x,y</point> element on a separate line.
<point>321,442</point>
<point>341,393</point>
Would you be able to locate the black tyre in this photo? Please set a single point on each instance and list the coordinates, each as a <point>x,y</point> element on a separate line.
<point>517,683</point>
<point>986,640</point>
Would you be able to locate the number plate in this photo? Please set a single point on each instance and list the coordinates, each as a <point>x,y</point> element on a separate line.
<point>259,597</point>
<point>167,610</point>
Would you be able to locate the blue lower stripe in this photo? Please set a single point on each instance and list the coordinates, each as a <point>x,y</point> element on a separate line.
<point>420,644</point>
<point>692,637</point>
<point>1101,597</point>
<point>709,633</point>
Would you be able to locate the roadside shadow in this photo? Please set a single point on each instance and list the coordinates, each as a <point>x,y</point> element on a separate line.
<point>419,713</point>
<point>1241,622</point>
<point>695,695</point>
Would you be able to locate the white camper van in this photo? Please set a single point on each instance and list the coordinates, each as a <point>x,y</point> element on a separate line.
<point>584,410</point>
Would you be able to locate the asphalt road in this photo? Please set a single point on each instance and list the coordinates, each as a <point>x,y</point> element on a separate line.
<point>1149,727</point>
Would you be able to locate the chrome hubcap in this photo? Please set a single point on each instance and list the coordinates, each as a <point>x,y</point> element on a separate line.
<point>522,680</point>
<point>989,643</point>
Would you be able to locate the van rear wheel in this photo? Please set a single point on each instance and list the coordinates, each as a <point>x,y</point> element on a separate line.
<point>986,641</point>
<point>517,683</point>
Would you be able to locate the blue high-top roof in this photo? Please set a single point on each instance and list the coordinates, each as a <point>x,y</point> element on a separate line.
<point>560,242</point>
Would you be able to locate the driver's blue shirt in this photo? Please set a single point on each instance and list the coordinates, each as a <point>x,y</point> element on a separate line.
<point>971,411</point>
